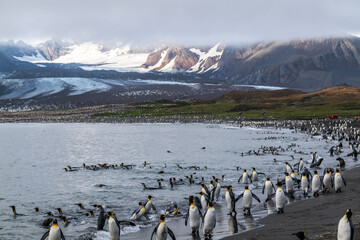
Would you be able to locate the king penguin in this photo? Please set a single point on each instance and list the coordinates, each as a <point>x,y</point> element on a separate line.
<point>316,184</point>
<point>338,180</point>
<point>268,187</point>
<point>209,220</point>
<point>161,230</point>
<point>247,196</point>
<point>346,227</point>
<point>193,216</point>
<point>230,199</point>
<point>54,233</point>
<point>114,225</point>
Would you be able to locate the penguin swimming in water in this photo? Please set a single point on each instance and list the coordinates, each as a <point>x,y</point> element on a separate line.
<point>268,187</point>
<point>339,180</point>
<point>230,200</point>
<point>149,204</point>
<point>114,225</point>
<point>173,211</point>
<point>161,230</point>
<point>346,227</point>
<point>209,221</point>
<point>54,233</point>
<point>14,211</point>
<point>247,196</point>
<point>193,216</point>
<point>341,162</point>
<point>245,178</point>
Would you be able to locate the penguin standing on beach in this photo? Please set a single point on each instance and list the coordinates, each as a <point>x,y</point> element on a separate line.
<point>217,189</point>
<point>339,181</point>
<point>245,178</point>
<point>161,230</point>
<point>230,199</point>
<point>346,227</point>
<point>304,185</point>
<point>268,187</point>
<point>209,221</point>
<point>279,198</point>
<point>289,184</point>
<point>247,196</point>
<point>193,216</point>
<point>114,225</point>
<point>327,182</point>
<point>54,233</point>
<point>316,184</point>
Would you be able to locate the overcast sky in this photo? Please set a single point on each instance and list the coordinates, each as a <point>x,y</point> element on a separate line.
<point>177,22</point>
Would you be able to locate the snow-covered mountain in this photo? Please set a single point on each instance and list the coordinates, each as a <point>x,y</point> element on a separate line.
<point>311,64</point>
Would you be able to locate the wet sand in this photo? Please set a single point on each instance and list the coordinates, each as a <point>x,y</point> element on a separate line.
<point>317,217</point>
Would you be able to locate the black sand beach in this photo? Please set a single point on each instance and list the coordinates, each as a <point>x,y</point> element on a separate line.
<point>317,217</point>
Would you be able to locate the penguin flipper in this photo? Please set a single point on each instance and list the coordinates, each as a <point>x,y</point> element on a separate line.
<point>128,223</point>
<point>45,235</point>
<point>256,197</point>
<point>239,197</point>
<point>153,207</point>
<point>343,179</point>
<point>146,216</point>
<point>270,197</point>
<point>352,229</point>
<point>62,235</point>
<point>187,217</point>
<point>155,230</point>
<point>240,178</point>
<point>263,190</point>
<point>171,234</point>
<point>261,173</point>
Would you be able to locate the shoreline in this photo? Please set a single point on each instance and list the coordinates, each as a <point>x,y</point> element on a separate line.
<point>317,217</point>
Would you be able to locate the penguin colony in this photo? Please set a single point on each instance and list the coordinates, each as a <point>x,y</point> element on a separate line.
<point>200,216</point>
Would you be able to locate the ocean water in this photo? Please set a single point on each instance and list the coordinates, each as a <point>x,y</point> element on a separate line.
<point>33,157</point>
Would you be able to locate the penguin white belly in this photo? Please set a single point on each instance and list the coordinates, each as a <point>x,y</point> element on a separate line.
<point>245,178</point>
<point>280,199</point>
<point>194,217</point>
<point>268,188</point>
<point>337,182</point>
<point>54,233</point>
<point>327,181</point>
<point>114,229</point>
<point>148,206</point>
<point>228,201</point>
<point>288,169</point>
<point>203,202</point>
<point>344,230</point>
<point>301,166</point>
<point>209,221</point>
<point>289,184</point>
<point>247,199</point>
<point>315,185</point>
<point>161,232</point>
<point>254,176</point>
<point>304,184</point>
<point>217,191</point>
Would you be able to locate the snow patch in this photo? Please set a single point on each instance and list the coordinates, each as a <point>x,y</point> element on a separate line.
<point>169,67</point>
<point>33,58</point>
<point>203,56</point>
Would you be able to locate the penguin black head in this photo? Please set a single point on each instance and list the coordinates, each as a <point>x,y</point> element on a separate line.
<point>201,193</point>
<point>140,203</point>
<point>304,174</point>
<point>211,204</point>
<point>49,213</point>
<point>95,205</point>
<point>349,213</point>
<point>278,183</point>
<point>244,170</point>
<point>337,170</point>
<point>253,168</point>
<point>300,235</point>
<point>109,213</point>
<point>175,205</point>
<point>229,187</point>
<point>59,210</point>
<point>162,217</point>
<point>315,172</point>
<point>36,209</point>
<point>246,187</point>
<point>54,221</point>
<point>149,197</point>
<point>286,174</point>
<point>99,206</point>
<point>13,207</point>
<point>267,179</point>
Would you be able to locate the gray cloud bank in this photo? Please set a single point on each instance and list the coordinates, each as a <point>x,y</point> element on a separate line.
<point>177,22</point>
